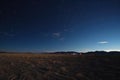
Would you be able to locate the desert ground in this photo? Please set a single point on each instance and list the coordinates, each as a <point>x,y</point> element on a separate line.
<point>59,67</point>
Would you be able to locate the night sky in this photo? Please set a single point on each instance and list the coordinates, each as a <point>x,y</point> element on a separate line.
<point>59,25</point>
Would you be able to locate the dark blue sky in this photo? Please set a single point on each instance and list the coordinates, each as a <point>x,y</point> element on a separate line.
<point>59,25</point>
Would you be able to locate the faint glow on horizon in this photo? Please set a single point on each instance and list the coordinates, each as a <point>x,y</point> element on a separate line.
<point>112,50</point>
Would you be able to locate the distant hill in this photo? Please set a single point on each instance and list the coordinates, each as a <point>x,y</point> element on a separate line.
<point>68,52</point>
<point>3,52</point>
<point>104,53</point>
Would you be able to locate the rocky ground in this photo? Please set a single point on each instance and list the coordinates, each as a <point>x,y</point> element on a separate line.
<point>59,67</point>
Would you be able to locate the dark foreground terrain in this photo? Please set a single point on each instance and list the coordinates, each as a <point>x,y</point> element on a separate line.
<point>59,67</point>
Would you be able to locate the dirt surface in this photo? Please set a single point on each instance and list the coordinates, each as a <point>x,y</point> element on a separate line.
<point>59,67</point>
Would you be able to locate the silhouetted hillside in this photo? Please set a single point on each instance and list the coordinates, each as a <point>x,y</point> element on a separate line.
<point>104,53</point>
<point>3,52</point>
<point>68,52</point>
